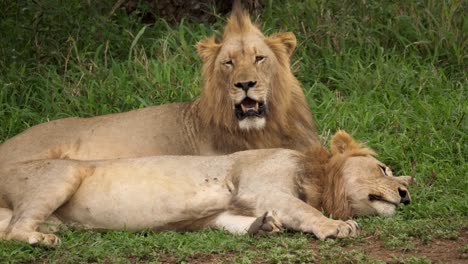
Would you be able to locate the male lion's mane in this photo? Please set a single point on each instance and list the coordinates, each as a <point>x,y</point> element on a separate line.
<point>321,177</point>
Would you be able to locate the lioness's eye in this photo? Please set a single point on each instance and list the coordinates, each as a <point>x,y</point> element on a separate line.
<point>229,62</point>
<point>259,58</point>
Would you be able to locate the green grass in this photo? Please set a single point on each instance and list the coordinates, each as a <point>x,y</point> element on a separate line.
<point>392,73</point>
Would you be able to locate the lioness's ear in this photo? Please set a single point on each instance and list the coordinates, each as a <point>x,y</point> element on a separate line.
<point>342,142</point>
<point>287,40</point>
<point>207,49</point>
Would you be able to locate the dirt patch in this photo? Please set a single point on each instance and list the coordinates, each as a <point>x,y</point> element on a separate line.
<point>436,250</point>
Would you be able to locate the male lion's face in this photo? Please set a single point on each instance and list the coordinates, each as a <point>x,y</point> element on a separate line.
<point>241,70</point>
<point>372,189</point>
<point>247,65</point>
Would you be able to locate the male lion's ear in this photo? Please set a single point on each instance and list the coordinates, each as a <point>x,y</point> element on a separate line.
<point>287,40</point>
<point>342,142</point>
<point>406,180</point>
<point>207,48</point>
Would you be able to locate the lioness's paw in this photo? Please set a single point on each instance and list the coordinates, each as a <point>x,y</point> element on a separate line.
<point>266,224</point>
<point>37,238</point>
<point>338,228</point>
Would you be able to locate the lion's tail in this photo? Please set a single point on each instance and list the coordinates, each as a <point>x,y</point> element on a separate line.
<point>236,7</point>
<point>5,217</point>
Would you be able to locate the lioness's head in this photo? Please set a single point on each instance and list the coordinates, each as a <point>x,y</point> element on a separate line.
<point>362,185</point>
<point>246,75</point>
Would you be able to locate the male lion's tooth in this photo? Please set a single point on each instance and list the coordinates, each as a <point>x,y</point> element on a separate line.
<point>256,106</point>
<point>243,108</point>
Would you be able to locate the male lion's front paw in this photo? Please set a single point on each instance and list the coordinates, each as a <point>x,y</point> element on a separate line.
<point>337,228</point>
<point>265,224</point>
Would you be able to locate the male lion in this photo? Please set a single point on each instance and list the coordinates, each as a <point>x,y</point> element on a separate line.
<point>249,191</point>
<point>250,100</point>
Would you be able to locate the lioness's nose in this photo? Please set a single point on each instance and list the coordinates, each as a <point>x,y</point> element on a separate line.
<point>405,198</point>
<point>245,85</point>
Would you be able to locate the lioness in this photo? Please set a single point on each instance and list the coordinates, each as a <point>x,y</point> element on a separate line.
<point>250,100</point>
<point>249,191</point>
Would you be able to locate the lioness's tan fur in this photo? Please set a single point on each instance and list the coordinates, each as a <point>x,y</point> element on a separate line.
<point>250,191</point>
<point>205,126</point>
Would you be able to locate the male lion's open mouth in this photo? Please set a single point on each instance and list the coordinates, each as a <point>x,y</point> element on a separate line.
<point>250,108</point>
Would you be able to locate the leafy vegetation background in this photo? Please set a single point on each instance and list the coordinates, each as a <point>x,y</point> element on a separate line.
<point>392,73</point>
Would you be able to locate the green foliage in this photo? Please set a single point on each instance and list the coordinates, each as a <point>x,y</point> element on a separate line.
<point>392,73</point>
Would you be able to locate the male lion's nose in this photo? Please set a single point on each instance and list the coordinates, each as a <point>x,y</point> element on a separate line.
<point>245,85</point>
<point>405,198</point>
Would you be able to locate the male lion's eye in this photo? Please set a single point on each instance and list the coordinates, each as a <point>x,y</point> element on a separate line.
<point>259,58</point>
<point>229,62</point>
<point>383,169</point>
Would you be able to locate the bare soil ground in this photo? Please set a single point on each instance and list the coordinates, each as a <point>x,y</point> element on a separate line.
<point>436,251</point>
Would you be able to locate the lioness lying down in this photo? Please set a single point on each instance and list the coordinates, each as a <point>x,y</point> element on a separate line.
<point>245,192</point>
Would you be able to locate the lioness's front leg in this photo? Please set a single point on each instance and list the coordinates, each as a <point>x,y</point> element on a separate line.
<point>298,215</point>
